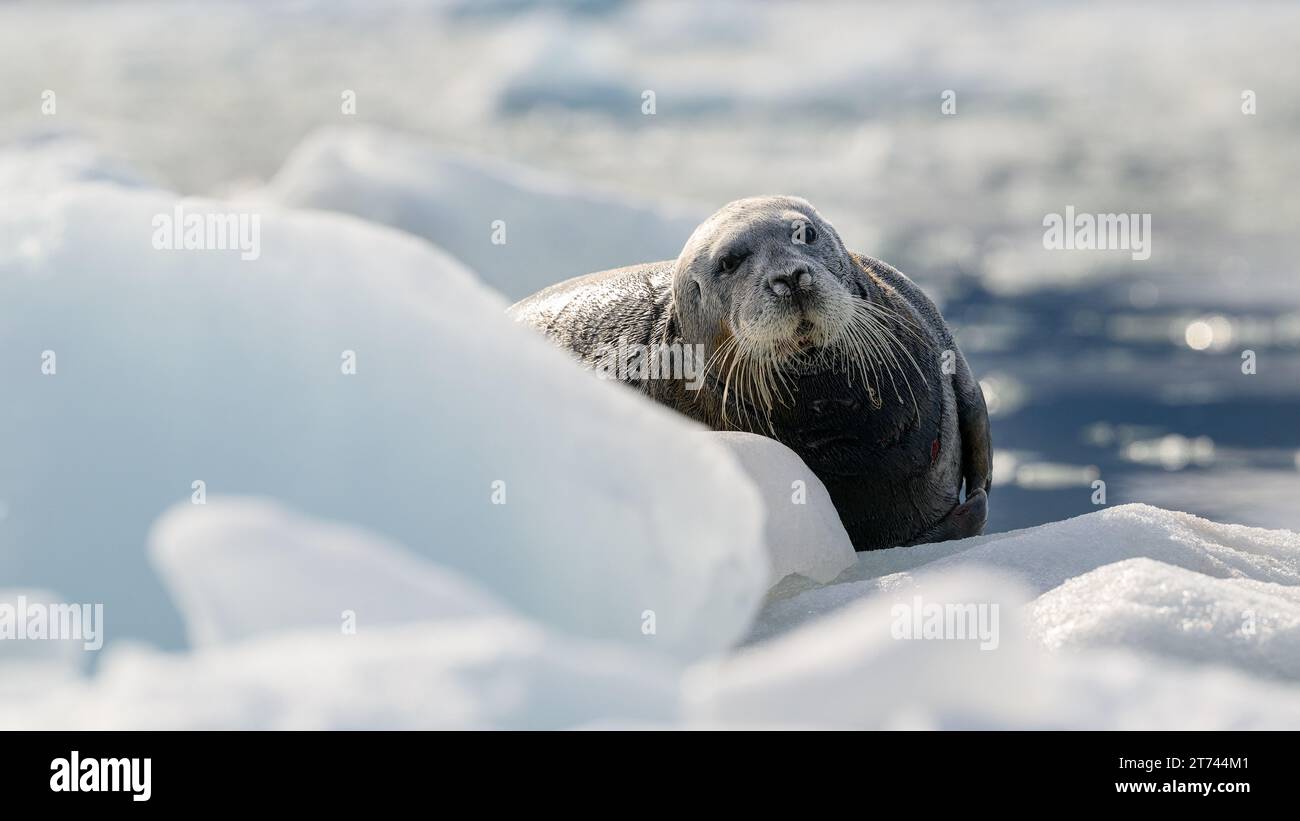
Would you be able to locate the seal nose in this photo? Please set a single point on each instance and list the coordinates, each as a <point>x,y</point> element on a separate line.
<point>784,283</point>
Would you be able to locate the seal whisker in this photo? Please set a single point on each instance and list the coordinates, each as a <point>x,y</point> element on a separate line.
<point>902,322</point>
<point>873,348</point>
<point>901,347</point>
<point>883,344</point>
<point>888,333</point>
<point>746,384</point>
<point>857,351</point>
<point>907,322</point>
<point>890,342</point>
<point>785,385</point>
<point>719,355</point>
<point>761,373</point>
<point>725,355</point>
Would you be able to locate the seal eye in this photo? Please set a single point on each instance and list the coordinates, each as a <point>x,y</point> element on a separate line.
<point>809,234</point>
<point>730,262</point>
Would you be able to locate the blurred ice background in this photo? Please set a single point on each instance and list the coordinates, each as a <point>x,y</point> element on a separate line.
<point>1095,366</point>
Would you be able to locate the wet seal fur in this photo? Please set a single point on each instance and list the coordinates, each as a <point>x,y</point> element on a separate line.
<point>835,354</point>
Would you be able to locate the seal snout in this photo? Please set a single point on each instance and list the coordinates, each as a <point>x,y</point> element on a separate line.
<point>793,283</point>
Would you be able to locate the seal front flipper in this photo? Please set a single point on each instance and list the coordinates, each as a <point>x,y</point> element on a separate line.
<point>968,518</point>
<point>973,423</point>
<point>963,521</point>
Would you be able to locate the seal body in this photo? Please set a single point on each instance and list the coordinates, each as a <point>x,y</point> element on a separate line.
<point>766,323</point>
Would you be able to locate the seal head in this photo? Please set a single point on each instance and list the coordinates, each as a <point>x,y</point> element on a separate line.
<point>768,271</point>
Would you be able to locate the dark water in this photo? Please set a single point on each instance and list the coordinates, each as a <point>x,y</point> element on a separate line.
<point>1145,414</point>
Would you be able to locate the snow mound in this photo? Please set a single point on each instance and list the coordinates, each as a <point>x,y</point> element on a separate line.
<point>804,536</point>
<point>1048,555</point>
<point>262,588</point>
<point>490,673</point>
<point>456,434</point>
<point>952,649</point>
<point>853,669</point>
<point>45,161</point>
<point>1133,576</point>
<point>1143,604</point>
<point>520,230</point>
<point>27,666</point>
<point>241,567</point>
<point>856,669</point>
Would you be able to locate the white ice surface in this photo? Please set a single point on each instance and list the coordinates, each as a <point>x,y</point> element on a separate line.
<point>432,666</point>
<point>847,670</point>
<point>28,667</point>
<point>1133,576</point>
<point>805,539</point>
<point>240,567</point>
<point>519,229</point>
<point>183,366</point>
<point>482,673</point>
<point>300,623</point>
<point>1145,604</point>
<point>45,161</point>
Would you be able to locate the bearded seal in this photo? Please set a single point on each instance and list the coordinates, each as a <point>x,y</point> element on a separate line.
<point>836,355</point>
